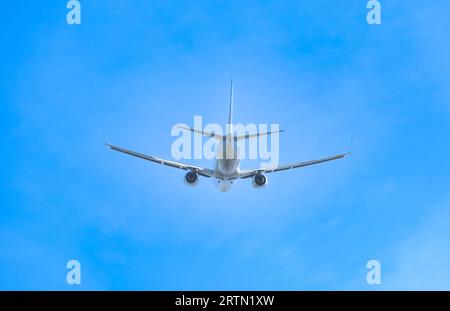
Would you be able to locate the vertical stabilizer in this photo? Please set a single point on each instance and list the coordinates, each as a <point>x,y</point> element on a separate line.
<point>230,113</point>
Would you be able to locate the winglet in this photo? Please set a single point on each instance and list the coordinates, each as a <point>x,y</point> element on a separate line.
<point>105,139</point>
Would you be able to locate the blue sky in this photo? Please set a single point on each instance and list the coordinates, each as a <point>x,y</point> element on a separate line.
<point>138,67</point>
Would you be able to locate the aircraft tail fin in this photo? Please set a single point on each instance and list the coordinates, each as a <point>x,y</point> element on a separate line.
<point>230,113</point>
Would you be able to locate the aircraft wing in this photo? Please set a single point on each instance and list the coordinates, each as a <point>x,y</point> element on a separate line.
<point>199,170</point>
<point>251,173</point>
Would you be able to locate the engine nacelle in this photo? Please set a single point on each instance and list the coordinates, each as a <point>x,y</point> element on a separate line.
<point>260,181</point>
<point>191,179</point>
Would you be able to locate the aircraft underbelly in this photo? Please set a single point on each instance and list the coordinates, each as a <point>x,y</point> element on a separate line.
<point>227,167</point>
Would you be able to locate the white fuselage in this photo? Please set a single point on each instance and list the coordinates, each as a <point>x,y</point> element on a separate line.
<point>227,164</point>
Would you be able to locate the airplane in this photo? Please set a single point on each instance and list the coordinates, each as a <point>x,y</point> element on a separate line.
<point>227,170</point>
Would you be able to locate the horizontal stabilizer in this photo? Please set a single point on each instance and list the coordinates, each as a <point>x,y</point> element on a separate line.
<point>207,134</point>
<point>247,136</point>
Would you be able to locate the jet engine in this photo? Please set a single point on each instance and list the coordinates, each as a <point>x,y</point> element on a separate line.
<point>259,181</point>
<point>191,179</point>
